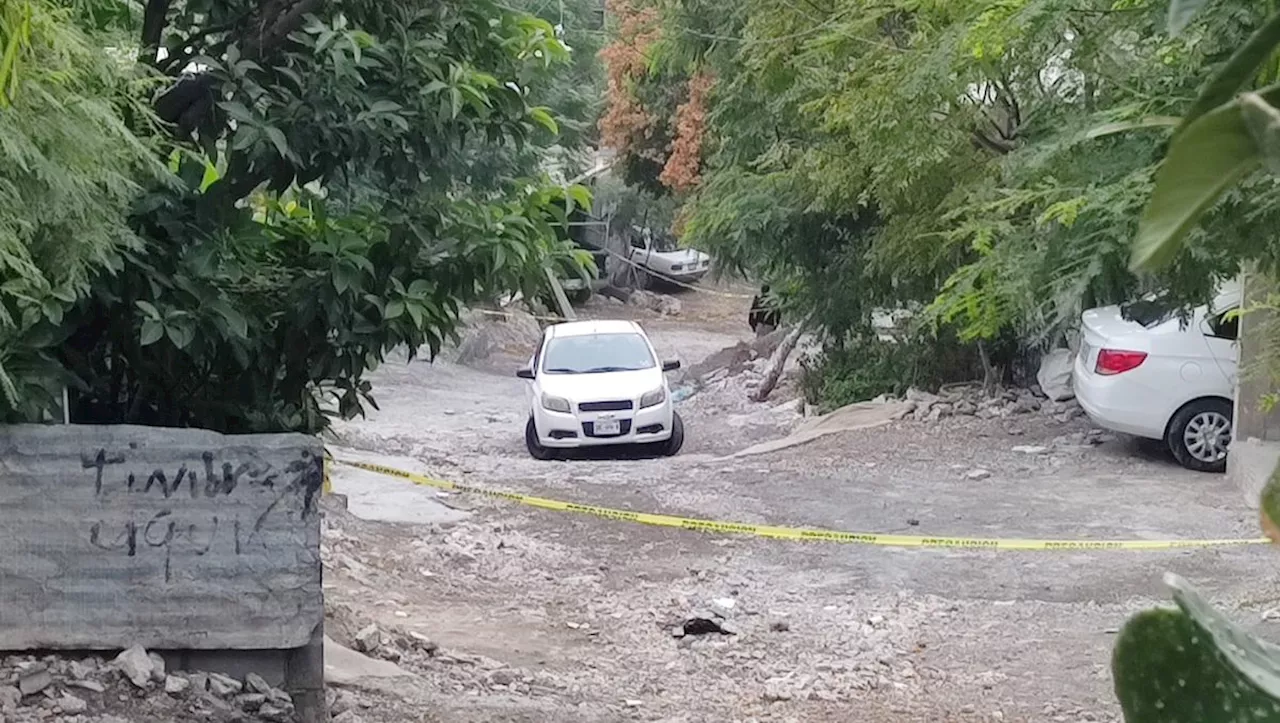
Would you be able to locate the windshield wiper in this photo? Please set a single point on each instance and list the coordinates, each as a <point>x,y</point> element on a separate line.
<point>603,370</point>
<point>561,370</point>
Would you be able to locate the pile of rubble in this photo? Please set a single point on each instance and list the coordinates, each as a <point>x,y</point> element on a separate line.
<point>972,401</point>
<point>511,332</point>
<point>659,303</point>
<point>135,685</point>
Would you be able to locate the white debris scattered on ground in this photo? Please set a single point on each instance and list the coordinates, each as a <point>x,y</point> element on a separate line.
<point>134,686</point>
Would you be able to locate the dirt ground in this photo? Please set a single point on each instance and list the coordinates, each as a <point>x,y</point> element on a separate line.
<point>551,616</point>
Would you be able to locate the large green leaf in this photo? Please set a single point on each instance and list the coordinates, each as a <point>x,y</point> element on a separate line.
<point>1237,72</point>
<point>1203,161</point>
<point>1193,665</point>
<point>1108,129</point>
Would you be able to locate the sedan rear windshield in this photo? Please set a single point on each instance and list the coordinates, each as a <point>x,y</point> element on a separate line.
<point>597,353</point>
<point>1149,312</point>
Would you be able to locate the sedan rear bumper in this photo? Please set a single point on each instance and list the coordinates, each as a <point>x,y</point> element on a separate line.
<point>1115,403</point>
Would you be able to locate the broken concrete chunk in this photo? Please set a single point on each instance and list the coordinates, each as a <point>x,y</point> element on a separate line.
<point>257,684</point>
<point>176,685</point>
<point>9,697</point>
<point>135,665</point>
<point>224,685</point>
<point>250,701</point>
<point>34,680</point>
<point>157,667</point>
<point>977,474</point>
<point>274,713</point>
<point>72,705</point>
<point>93,685</point>
<point>368,639</point>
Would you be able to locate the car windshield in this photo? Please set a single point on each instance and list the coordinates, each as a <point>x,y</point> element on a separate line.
<point>664,243</point>
<point>597,353</point>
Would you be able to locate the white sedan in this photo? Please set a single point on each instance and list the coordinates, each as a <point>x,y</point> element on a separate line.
<point>595,383</point>
<point>663,258</point>
<point>1142,371</point>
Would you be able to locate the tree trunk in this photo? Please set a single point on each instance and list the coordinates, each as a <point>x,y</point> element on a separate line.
<point>779,361</point>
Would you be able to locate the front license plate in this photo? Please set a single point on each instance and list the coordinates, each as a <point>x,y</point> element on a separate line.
<point>605,427</point>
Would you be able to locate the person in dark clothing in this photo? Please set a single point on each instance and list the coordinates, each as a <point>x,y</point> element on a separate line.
<point>764,316</point>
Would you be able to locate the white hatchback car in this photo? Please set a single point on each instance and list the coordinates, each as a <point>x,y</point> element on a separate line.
<point>596,383</point>
<point>1142,371</point>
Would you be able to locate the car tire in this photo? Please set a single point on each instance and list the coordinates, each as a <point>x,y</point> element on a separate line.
<point>536,450</point>
<point>671,447</point>
<point>1196,432</point>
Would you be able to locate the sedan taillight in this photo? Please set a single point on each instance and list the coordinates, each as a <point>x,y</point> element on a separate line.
<point>1118,361</point>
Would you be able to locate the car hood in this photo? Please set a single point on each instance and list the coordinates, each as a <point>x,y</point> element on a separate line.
<point>603,386</point>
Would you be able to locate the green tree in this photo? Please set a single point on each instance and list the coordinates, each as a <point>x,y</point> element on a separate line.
<point>976,144</point>
<point>77,144</point>
<point>325,209</point>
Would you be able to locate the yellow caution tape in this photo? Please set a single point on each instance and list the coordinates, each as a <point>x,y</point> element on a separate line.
<point>800,534</point>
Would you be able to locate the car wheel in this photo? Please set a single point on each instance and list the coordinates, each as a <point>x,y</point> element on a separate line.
<point>536,450</point>
<point>1199,435</point>
<point>672,446</point>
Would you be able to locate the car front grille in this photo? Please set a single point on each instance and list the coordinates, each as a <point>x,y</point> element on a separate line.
<point>615,406</point>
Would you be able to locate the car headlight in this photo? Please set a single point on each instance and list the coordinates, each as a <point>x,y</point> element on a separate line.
<point>653,398</point>
<point>555,404</point>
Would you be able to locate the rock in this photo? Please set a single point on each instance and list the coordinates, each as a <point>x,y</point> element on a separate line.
<point>9,697</point>
<point>977,474</point>
<point>176,685</point>
<point>157,667</point>
<point>200,681</point>
<point>423,643</point>
<point>347,716</point>
<point>724,605</point>
<point>135,665</point>
<point>966,408</point>
<point>939,411</point>
<point>905,411</point>
<point>274,713</point>
<point>279,698</point>
<point>776,694</point>
<point>224,686</point>
<point>504,676</point>
<point>924,399</point>
<point>34,679</point>
<point>1024,405</point>
<point>632,703</point>
<point>780,626</point>
<point>81,669</point>
<point>368,639</point>
<point>1054,376</point>
<point>250,701</point>
<point>93,685</point>
<point>257,684</point>
<point>71,704</point>
<point>669,306</point>
<point>1030,449</point>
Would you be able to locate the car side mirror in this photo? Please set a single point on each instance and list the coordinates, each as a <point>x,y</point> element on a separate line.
<point>670,366</point>
<point>525,373</point>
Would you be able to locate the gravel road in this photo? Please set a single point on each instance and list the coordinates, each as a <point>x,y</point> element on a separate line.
<point>548,616</point>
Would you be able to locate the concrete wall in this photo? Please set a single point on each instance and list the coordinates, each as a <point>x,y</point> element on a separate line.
<point>177,540</point>
<point>1255,449</point>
